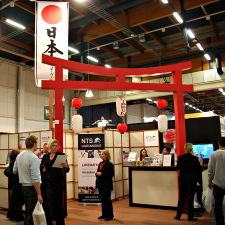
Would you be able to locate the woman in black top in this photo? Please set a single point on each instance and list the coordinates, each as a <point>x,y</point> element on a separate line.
<point>54,185</point>
<point>104,184</point>
<point>15,190</point>
<point>190,174</point>
<point>143,154</point>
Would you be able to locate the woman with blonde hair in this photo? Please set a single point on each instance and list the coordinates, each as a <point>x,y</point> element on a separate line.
<point>54,185</point>
<point>104,183</point>
<point>190,173</point>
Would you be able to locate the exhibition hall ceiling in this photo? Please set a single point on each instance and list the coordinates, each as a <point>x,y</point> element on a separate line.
<point>127,33</point>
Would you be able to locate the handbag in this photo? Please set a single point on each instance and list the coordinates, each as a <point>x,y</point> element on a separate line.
<point>39,215</point>
<point>8,172</point>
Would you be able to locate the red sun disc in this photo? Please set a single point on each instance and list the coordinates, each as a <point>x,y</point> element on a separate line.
<point>51,14</point>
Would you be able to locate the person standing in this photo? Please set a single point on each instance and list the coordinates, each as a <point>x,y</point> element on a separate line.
<point>15,191</point>
<point>190,173</point>
<point>104,183</point>
<point>54,185</point>
<point>43,151</point>
<point>216,179</point>
<point>27,165</point>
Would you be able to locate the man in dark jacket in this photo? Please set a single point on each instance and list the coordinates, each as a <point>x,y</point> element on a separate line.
<point>190,174</point>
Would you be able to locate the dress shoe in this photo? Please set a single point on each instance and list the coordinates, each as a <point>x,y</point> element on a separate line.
<point>192,219</point>
<point>108,218</point>
<point>101,217</point>
<point>177,218</point>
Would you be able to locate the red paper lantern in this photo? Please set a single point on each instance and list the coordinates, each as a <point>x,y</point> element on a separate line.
<point>76,103</point>
<point>122,128</point>
<point>161,103</point>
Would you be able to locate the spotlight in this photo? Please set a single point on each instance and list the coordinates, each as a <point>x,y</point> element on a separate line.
<point>116,45</point>
<point>142,38</point>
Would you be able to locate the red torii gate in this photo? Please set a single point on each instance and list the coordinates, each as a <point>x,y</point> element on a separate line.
<point>120,84</point>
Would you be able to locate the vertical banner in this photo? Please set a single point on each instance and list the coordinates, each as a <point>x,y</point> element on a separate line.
<point>89,146</point>
<point>51,37</point>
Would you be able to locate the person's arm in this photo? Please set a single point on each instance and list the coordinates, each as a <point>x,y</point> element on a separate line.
<point>36,176</point>
<point>37,187</point>
<point>211,171</point>
<point>15,169</point>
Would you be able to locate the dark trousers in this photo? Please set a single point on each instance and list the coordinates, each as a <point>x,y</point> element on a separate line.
<point>218,195</point>
<point>30,200</point>
<point>54,203</point>
<point>186,191</point>
<point>107,208</point>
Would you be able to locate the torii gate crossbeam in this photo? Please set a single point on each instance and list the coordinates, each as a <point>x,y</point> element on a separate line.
<point>176,87</point>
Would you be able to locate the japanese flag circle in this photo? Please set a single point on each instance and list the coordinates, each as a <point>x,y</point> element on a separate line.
<point>51,14</point>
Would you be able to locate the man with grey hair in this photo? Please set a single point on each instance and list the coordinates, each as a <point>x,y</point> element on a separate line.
<point>28,167</point>
<point>216,177</point>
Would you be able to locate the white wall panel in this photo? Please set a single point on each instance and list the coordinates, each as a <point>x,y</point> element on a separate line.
<point>117,139</point>
<point>69,153</point>
<point>118,172</point>
<point>118,155</point>
<point>118,189</point>
<point>108,138</point>
<point>4,154</point>
<point>136,139</point>
<point>69,140</point>
<point>13,141</point>
<point>4,141</point>
<point>125,140</point>
<point>126,187</point>
<point>70,192</point>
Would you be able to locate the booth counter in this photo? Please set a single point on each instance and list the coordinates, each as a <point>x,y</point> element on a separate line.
<point>153,186</point>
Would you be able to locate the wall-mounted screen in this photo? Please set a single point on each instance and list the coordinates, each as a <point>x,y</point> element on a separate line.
<point>203,150</point>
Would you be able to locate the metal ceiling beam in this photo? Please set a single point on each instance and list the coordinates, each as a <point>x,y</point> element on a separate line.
<point>113,10</point>
<point>25,7</point>
<point>16,43</point>
<point>106,49</point>
<point>212,23</point>
<point>139,16</point>
<point>16,53</point>
<point>119,36</point>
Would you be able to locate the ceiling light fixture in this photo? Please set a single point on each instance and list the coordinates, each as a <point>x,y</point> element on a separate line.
<point>73,50</point>
<point>11,3</point>
<point>178,17</point>
<point>108,66</point>
<point>165,1</point>
<point>207,56</point>
<point>116,45</point>
<point>190,33</point>
<point>81,1</point>
<point>142,38</point>
<point>89,94</point>
<point>199,46</point>
<point>15,24</point>
<point>92,58</point>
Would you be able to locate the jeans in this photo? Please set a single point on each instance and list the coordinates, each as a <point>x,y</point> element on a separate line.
<point>30,199</point>
<point>218,195</point>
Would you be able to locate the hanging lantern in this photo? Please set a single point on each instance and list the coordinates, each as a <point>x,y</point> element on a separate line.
<point>122,128</point>
<point>77,123</point>
<point>76,103</point>
<point>161,103</point>
<point>121,106</point>
<point>162,123</point>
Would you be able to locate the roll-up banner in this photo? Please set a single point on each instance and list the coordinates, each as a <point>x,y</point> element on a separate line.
<point>89,146</point>
<point>51,37</point>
